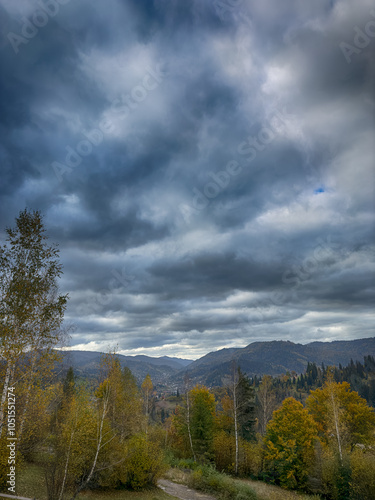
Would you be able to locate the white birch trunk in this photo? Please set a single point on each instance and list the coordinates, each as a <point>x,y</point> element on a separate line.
<point>23,418</point>
<point>98,448</point>
<point>188,423</point>
<point>335,416</point>
<point>235,423</point>
<point>66,465</point>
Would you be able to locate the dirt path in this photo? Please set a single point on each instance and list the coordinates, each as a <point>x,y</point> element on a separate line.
<point>181,491</point>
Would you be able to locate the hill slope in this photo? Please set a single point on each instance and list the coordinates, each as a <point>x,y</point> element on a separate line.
<point>87,363</point>
<point>275,358</point>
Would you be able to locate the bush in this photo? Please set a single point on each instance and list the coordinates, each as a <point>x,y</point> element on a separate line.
<point>144,464</point>
<point>335,476</point>
<point>224,452</point>
<point>363,474</point>
<point>251,459</point>
<point>207,479</point>
<point>180,463</point>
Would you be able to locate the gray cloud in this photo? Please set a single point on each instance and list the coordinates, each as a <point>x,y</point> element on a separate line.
<point>278,244</point>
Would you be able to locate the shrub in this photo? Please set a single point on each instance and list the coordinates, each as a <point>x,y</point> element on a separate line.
<point>144,464</point>
<point>224,452</point>
<point>251,459</point>
<point>363,474</point>
<point>335,476</point>
<point>207,479</point>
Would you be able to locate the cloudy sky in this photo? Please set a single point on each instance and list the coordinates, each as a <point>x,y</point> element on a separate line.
<point>207,168</point>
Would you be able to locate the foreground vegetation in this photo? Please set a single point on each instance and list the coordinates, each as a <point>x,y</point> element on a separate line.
<point>31,484</point>
<point>206,479</point>
<point>225,487</point>
<point>91,437</point>
<point>326,446</point>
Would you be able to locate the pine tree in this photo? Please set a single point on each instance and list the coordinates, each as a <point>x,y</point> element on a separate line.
<point>243,406</point>
<point>202,421</point>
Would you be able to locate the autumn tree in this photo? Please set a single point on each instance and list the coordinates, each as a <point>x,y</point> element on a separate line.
<point>35,417</point>
<point>266,403</point>
<point>131,413</point>
<point>344,420</point>
<point>134,459</point>
<point>88,432</point>
<point>289,443</point>
<point>124,403</point>
<point>78,444</point>
<point>177,433</point>
<point>31,310</point>
<point>99,453</point>
<point>70,442</point>
<point>342,416</point>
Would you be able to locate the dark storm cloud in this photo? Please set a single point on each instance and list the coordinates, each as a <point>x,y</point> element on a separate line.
<point>225,194</point>
<point>213,274</point>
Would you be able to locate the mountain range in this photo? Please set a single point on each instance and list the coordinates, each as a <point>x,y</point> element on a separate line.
<point>258,358</point>
<point>277,357</point>
<point>87,364</point>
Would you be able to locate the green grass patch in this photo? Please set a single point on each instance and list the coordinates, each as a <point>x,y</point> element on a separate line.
<point>154,494</point>
<point>206,478</point>
<point>30,483</point>
<point>181,463</point>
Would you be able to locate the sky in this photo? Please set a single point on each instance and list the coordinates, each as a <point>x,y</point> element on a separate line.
<point>206,167</point>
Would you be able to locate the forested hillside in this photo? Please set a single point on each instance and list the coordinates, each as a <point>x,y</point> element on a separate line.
<point>277,357</point>
<point>257,359</point>
<point>87,364</point>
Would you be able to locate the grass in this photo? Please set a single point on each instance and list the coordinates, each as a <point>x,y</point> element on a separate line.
<point>125,495</point>
<point>235,487</point>
<point>30,483</point>
<point>266,491</point>
<point>208,480</point>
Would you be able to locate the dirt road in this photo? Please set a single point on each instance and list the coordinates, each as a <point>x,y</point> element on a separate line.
<point>181,491</point>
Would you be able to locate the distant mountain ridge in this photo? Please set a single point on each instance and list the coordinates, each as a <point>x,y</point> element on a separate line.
<point>277,357</point>
<point>87,363</point>
<point>258,358</point>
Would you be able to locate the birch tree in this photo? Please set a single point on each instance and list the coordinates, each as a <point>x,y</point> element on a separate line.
<point>343,417</point>
<point>31,310</point>
<point>104,437</point>
<point>267,403</point>
<point>188,417</point>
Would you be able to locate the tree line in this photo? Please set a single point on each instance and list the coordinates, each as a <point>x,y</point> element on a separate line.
<point>324,446</point>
